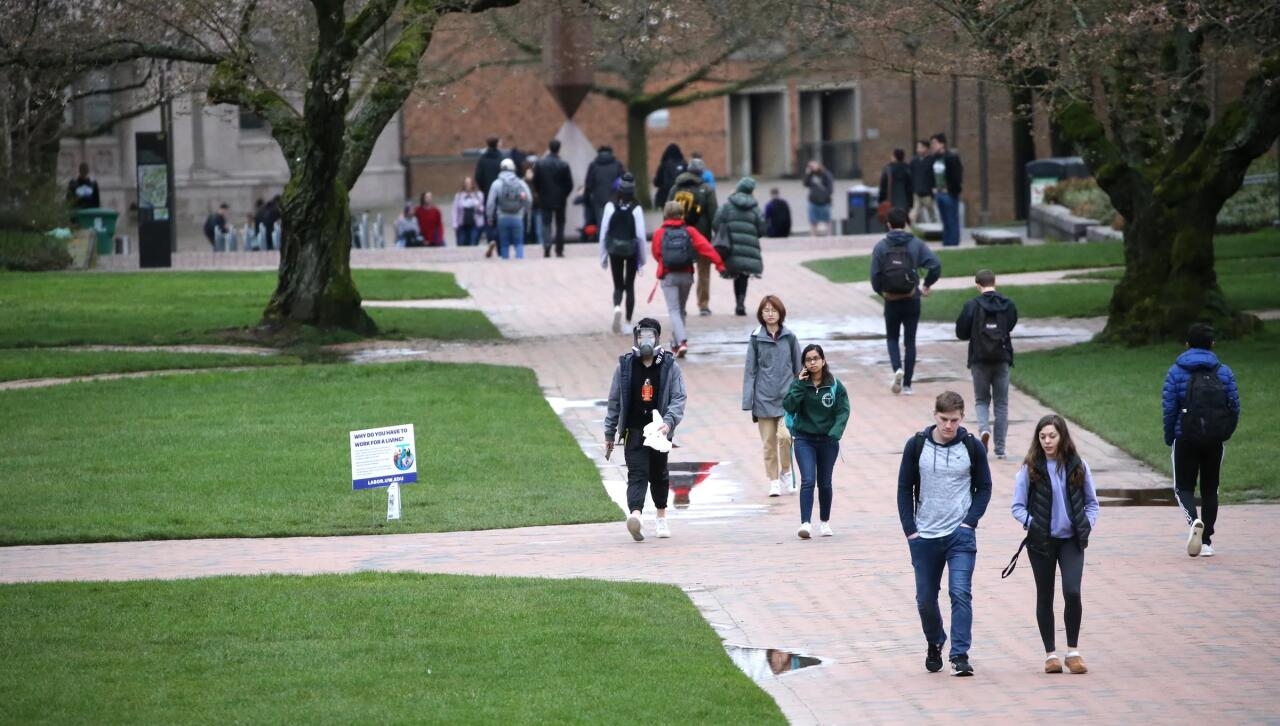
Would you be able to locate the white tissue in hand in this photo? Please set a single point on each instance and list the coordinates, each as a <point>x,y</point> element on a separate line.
<point>654,437</point>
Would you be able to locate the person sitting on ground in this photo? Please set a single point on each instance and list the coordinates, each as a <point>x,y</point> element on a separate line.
<point>777,215</point>
<point>407,232</point>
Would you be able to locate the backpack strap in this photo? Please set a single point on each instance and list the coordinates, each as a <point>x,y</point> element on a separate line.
<point>1013,562</point>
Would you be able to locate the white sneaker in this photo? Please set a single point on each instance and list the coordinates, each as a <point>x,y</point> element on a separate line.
<point>896,386</point>
<point>617,319</point>
<point>775,488</point>
<point>1206,551</point>
<point>906,391</point>
<point>803,532</point>
<point>635,527</point>
<point>789,481</point>
<point>663,531</point>
<point>1193,539</point>
<point>824,529</point>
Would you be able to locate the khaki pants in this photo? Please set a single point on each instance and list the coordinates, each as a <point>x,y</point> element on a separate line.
<point>924,208</point>
<point>704,284</point>
<point>776,440</point>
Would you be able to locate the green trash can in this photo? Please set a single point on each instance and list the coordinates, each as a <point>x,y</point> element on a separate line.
<point>103,221</point>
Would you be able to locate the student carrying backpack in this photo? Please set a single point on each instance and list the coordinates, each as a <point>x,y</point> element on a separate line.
<point>895,264</point>
<point>986,322</point>
<point>1201,405</point>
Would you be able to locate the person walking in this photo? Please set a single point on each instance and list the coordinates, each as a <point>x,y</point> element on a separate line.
<point>602,172</point>
<point>922,184</point>
<point>819,406</point>
<point>468,214</point>
<point>508,201</point>
<point>1201,403</point>
<point>822,187</point>
<point>896,185</point>
<point>773,362</point>
<point>743,226</point>
<point>669,168</point>
<point>488,167</point>
<point>896,262</point>
<point>1055,502</point>
<point>622,238</point>
<point>948,181</point>
<point>676,246</point>
<point>553,182</point>
<point>646,382</point>
<point>944,486</point>
<point>698,200</point>
<point>986,321</point>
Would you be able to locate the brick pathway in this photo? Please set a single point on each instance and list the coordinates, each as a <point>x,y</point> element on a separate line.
<point>1168,638</point>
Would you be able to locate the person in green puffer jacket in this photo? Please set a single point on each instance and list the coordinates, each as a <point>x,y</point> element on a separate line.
<point>745,226</point>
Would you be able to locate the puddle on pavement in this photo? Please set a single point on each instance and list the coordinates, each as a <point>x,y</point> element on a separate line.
<point>373,355</point>
<point>1137,498</point>
<point>685,475</point>
<point>560,405</point>
<point>763,664</point>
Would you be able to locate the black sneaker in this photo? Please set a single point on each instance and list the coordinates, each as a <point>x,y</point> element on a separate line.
<point>960,666</point>
<point>933,659</point>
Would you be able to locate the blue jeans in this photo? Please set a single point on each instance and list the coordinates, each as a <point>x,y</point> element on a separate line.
<point>902,315</point>
<point>949,210</point>
<point>510,232</point>
<point>819,213</point>
<point>957,551</point>
<point>468,236</point>
<point>815,457</point>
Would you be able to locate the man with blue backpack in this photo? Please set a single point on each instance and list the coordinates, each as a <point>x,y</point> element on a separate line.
<point>1201,410</point>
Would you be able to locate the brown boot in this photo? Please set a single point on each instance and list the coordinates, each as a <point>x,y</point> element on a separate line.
<point>1075,664</point>
<point>1052,664</point>
<point>489,252</point>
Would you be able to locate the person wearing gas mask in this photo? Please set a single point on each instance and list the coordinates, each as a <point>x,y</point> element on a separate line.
<point>647,381</point>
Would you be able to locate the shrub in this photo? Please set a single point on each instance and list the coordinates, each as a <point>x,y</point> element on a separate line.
<point>32,252</point>
<point>1254,206</point>
<point>1083,197</point>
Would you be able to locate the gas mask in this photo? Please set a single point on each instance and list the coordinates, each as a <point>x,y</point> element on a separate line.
<point>646,341</point>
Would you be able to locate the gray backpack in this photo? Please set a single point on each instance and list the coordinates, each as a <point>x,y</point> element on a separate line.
<point>511,197</point>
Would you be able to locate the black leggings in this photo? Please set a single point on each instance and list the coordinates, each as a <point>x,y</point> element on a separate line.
<point>1067,555</point>
<point>624,280</point>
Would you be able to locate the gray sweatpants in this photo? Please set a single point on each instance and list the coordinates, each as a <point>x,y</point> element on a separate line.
<point>675,288</point>
<point>991,381</point>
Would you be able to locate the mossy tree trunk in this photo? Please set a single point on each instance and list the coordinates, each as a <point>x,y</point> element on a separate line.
<point>1170,191</point>
<point>638,151</point>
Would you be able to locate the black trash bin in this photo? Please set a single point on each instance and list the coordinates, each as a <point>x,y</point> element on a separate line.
<point>862,211</point>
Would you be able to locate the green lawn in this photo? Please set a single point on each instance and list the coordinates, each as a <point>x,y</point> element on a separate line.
<point>1125,410</point>
<point>1037,258</point>
<point>20,364</point>
<point>46,309</point>
<point>265,453</point>
<point>366,648</point>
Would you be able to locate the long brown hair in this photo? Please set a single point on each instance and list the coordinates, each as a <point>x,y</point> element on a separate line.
<point>1036,461</point>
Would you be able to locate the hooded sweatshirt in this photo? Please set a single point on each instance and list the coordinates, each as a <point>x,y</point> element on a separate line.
<point>746,226</point>
<point>994,303</point>
<point>1178,380</point>
<point>492,211</point>
<point>921,256</point>
<point>941,486</point>
<point>703,194</point>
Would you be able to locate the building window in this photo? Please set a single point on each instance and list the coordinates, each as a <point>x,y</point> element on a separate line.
<point>250,121</point>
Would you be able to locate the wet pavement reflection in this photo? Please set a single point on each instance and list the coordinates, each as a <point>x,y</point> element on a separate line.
<point>763,664</point>
<point>1137,498</point>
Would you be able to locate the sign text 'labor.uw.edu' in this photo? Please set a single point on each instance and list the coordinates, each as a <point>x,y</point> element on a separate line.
<point>382,457</point>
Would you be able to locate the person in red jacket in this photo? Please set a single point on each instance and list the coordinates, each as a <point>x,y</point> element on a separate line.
<point>676,247</point>
<point>430,222</point>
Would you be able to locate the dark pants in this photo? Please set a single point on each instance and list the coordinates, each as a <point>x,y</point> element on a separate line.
<point>816,458</point>
<point>958,552</point>
<point>1203,462</point>
<point>902,315</point>
<point>645,468</point>
<point>547,215</point>
<point>1067,556</point>
<point>624,281</point>
<point>740,288</point>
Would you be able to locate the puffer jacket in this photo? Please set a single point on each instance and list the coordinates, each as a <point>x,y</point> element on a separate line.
<point>772,364</point>
<point>746,226</point>
<point>1179,378</point>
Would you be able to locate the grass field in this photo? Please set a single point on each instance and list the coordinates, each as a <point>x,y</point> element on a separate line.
<point>1126,410</point>
<point>366,648</point>
<point>37,363</point>
<point>47,309</point>
<point>265,453</point>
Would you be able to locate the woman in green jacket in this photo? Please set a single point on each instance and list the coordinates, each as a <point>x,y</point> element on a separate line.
<point>743,226</point>
<point>818,408</point>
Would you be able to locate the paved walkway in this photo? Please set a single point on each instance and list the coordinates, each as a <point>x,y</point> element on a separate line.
<point>1168,638</point>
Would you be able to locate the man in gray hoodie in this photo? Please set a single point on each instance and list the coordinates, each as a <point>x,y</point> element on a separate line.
<point>895,275</point>
<point>506,205</point>
<point>944,486</point>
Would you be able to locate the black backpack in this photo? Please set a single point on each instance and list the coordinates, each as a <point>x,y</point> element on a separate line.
<point>677,248</point>
<point>620,239</point>
<point>990,336</point>
<point>1206,415</point>
<point>898,275</point>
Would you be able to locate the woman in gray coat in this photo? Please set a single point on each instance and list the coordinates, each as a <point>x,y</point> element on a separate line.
<point>773,362</point>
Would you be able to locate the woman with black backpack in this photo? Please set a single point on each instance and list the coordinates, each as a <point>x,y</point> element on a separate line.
<point>622,240</point>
